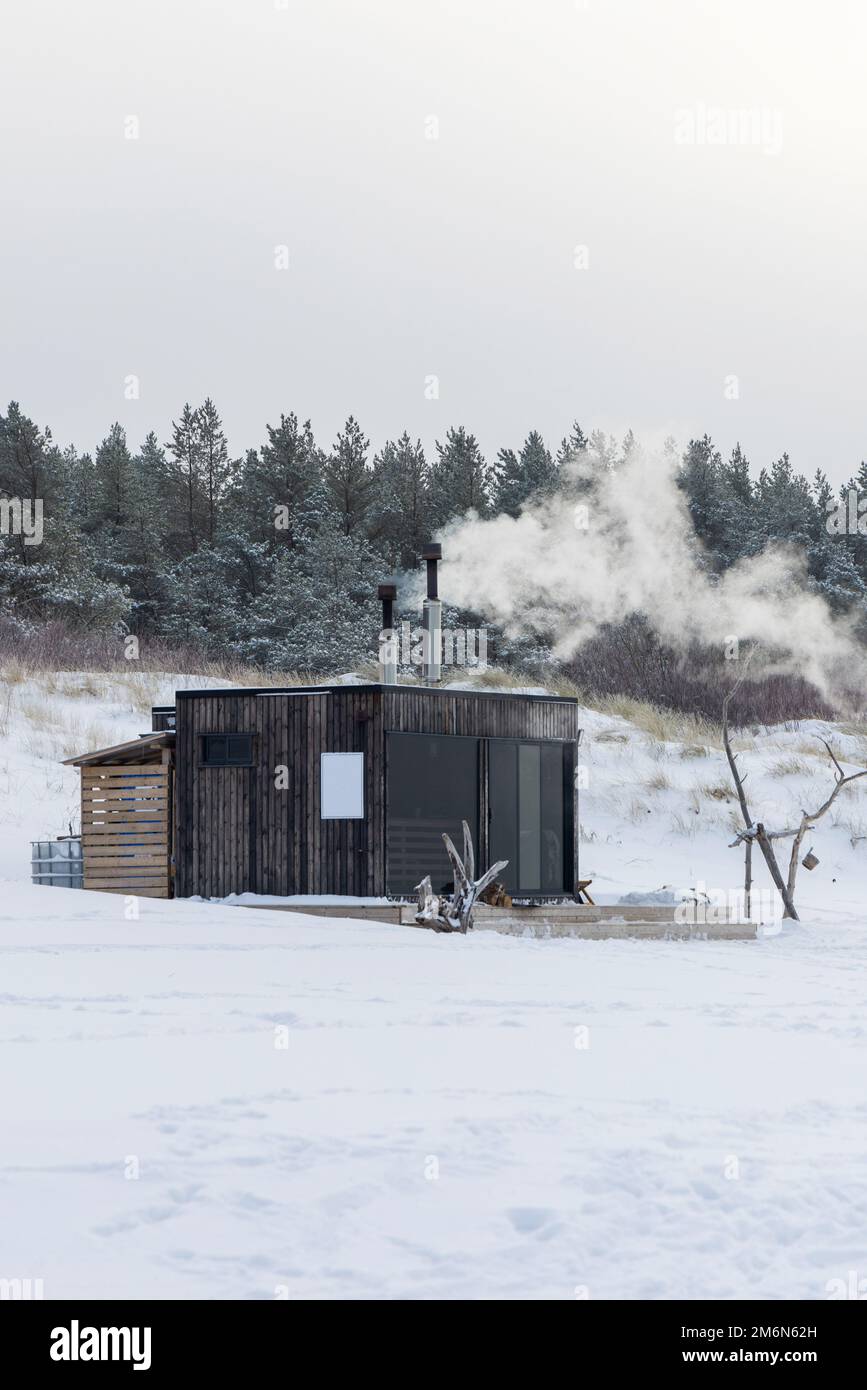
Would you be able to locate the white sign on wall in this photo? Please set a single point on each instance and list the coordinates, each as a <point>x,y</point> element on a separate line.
<point>341,786</point>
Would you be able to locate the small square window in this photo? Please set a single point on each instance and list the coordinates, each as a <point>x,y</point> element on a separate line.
<point>227,750</point>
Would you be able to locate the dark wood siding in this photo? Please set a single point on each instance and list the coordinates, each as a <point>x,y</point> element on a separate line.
<point>479,716</point>
<point>238,831</point>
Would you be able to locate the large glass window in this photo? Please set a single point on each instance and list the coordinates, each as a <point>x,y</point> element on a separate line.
<point>526,793</point>
<point>556,873</point>
<point>433,784</point>
<point>530,816</point>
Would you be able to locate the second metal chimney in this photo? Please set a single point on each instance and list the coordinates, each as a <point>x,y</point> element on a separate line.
<point>387,637</point>
<point>432,620</point>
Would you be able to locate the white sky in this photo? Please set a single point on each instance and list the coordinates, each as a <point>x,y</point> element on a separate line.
<point>302,122</point>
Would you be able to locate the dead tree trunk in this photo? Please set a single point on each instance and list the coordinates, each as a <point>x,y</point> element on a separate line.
<point>455,913</point>
<point>752,831</point>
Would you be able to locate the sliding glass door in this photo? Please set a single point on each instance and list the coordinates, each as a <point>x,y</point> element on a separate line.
<point>526,815</point>
<point>433,785</point>
<point>434,782</point>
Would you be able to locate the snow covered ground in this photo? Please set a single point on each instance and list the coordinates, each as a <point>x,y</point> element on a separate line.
<point>212,1101</point>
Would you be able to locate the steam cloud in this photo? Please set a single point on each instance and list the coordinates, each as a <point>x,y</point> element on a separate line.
<point>544,572</point>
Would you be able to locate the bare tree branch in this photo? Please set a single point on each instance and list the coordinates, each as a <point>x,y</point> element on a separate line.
<point>756,829</point>
<point>841,780</point>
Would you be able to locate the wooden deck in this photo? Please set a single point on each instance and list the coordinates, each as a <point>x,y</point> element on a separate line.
<point>557,920</point>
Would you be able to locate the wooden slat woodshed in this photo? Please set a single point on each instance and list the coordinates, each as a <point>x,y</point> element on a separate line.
<point>126,817</point>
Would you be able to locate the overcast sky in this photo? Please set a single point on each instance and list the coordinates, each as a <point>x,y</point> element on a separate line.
<point>718,282</point>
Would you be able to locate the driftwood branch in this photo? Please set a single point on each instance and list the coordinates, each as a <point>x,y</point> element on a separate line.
<point>455,913</point>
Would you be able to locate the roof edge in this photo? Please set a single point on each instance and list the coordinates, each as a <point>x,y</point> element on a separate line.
<point>161,738</point>
<point>369,688</point>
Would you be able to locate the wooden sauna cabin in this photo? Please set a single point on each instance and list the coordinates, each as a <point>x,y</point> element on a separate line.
<point>338,790</point>
<point>334,789</point>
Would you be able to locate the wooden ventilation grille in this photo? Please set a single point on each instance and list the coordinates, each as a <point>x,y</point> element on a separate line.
<point>126,829</point>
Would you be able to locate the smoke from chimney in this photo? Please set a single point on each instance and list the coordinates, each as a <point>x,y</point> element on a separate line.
<point>616,541</point>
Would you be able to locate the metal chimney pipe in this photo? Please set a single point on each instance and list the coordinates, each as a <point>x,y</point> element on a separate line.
<point>432,554</point>
<point>387,638</point>
<point>432,620</point>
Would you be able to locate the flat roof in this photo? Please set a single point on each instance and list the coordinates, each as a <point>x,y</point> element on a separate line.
<point>162,738</point>
<point>441,691</point>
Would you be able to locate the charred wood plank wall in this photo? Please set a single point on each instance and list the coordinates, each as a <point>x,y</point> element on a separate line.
<point>258,829</point>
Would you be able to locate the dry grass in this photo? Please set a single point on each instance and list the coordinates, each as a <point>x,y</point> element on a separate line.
<point>77,738</point>
<point>6,706</point>
<point>51,729</point>
<point>664,725</point>
<point>15,672</point>
<point>658,782</point>
<point>790,767</point>
<point>719,791</point>
<point>562,685</point>
<point>685,823</point>
<point>87,687</point>
<point>694,803</point>
<point>156,663</point>
<point>856,728</point>
<point>252,676</point>
<point>809,748</point>
<point>73,687</point>
<point>41,714</point>
<point>36,745</point>
<point>141,691</point>
<point>853,826</point>
<point>368,671</point>
<point>495,678</point>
